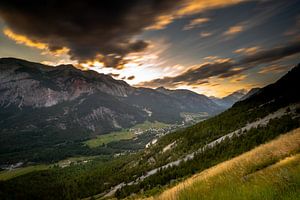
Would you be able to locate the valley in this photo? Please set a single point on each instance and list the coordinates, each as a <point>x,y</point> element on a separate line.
<point>130,133</point>
<point>147,158</point>
<point>132,139</point>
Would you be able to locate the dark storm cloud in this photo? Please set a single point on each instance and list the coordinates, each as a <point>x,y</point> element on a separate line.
<point>195,76</point>
<point>226,68</point>
<point>114,75</point>
<point>130,77</point>
<point>272,54</point>
<point>87,28</point>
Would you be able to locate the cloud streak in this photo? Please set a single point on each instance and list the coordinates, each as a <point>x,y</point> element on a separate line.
<point>225,68</point>
<point>195,23</point>
<point>233,30</point>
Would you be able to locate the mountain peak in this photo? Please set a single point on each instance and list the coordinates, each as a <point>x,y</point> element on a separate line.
<point>161,88</point>
<point>250,93</point>
<point>230,99</point>
<point>241,91</point>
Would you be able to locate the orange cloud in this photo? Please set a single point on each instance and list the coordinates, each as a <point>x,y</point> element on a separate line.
<point>212,58</point>
<point>238,78</point>
<point>247,51</point>
<point>21,39</point>
<point>195,22</point>
<point>217,87</point>
<point>190,7</point>
<point>234,30</point>
<point>161,22</point>
<point>195,6</point>
<point>90,65</point>
<point>205,34</point>
<point>272,69</point>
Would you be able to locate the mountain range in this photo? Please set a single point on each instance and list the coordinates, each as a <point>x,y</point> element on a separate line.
<point>43,105</point>
<point>68,98</point>
<point>36,97</point>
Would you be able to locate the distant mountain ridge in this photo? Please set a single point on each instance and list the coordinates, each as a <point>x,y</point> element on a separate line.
<point>250,93</point>
<point>229,100</point>
<point>192,102</point>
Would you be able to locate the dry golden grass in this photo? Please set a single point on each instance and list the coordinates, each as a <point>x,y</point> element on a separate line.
<point>274,154</point>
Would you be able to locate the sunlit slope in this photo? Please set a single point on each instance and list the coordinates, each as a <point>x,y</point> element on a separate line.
<point>9,174</point>
<point>270,171</point>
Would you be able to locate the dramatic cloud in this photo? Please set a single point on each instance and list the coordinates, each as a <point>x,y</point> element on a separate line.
<point>195,6</point>
<point>21,39</point>
<point>190,7</point>
<point>161,22</point>
<point>194,76</point>
<point>226,68</point>
<point>273,54</point>
<point>89,29</point>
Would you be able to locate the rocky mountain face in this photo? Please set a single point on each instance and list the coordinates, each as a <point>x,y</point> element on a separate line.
<point>54,104</point>
<point>61,98</point>
<point>191,101</point>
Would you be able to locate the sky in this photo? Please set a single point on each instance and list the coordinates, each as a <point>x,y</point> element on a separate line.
<point>213,47</point>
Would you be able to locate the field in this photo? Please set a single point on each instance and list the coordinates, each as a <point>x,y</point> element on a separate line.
<point>270,171</point>
<point>146,125</point>
<point>194,117</point>
<point>9,174</point>
<point>125,134</point>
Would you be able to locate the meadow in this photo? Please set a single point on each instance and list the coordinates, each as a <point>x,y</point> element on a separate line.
<point>9,174</point>
<point>270,171</point>
<point>124,134</point>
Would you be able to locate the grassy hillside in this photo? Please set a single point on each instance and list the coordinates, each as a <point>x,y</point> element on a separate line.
<point>270,171</point>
